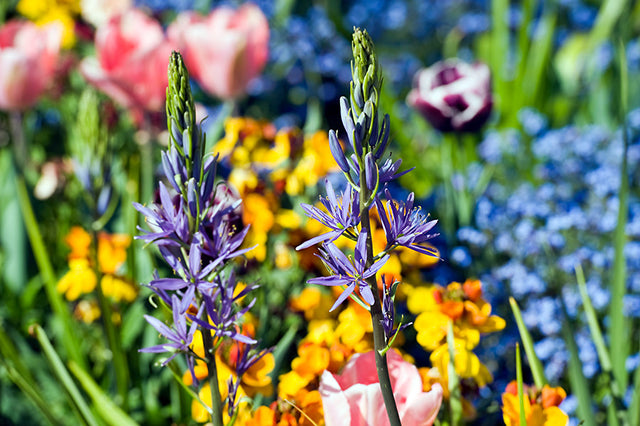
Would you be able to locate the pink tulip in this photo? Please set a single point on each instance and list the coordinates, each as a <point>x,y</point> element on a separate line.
<point>354,397</point>
<point>28,59</point>
<point>225,50</point>
<point>131,63</point>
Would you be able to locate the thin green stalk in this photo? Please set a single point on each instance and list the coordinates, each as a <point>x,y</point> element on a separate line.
<point>523,419</point>
<point>455,395</point>
<point>634,407</point>
<point>103,404</point>
<point>41,255</point>
<point>534,362</point>
<point>577,379</point>
<point>40,252</point>
<point>64,377</point>
<point>20,374</point>
<point>147,163</point>
<point>615,389</point>
<point>499,39</point>
<point>120,367</point>
<point>379,338</point>
<point>619,325</point>
<point>216,398</point>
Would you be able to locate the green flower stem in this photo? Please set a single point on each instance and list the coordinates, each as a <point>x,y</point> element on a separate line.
<point>147,164</point>
<point>619,326</point>
<point>523,420</point>
<point>216,399</point>
<point>120,367</point>
<point>455,394</point>
<point>379,338</point>
<point>64,378</point>
<point>41,255</point>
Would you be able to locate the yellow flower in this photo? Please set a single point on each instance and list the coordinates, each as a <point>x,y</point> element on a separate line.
<point>87,311</point>
<point>44,12</point>
<point>291,383</point>
<point>466,363</point>
<point>420,299</point>
<point>112,251</point>
<point>540,408</point>
<point>79,280</point>
<point>314,302</point>
<point>118,289</point>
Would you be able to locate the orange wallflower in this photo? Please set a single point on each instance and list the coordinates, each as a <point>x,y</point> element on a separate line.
<point>540,406</point>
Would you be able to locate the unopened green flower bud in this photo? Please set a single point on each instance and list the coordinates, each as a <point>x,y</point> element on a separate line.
<point>180,106</point>
<point>365,71</point>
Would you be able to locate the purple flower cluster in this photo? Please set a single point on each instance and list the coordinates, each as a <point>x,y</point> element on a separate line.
<point>194,229</point>
<point>367,172</point>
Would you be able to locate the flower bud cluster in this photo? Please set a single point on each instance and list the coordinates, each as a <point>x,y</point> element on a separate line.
<point>194,230</point>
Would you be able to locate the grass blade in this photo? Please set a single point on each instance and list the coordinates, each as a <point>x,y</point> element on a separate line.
<point>523,419</point>
<point>577,380</point>
<point>601,348</point>
<point>455,397</point>
<point>64,377</point>
<point>107,409</point>
<point>534,362</point>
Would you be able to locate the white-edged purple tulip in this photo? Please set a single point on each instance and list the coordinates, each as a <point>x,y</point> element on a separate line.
<point>453,96</point>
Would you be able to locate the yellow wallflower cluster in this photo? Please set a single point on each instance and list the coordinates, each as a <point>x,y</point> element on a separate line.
<point>540,406</point>
<point>82,277</point>
<point>43,12</point>
<point>463,306</point>
<point>253,381</point>
<point>266,165</point>
<point>330,342</point>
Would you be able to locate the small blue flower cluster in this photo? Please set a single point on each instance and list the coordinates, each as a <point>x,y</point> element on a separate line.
<point>529,235</point>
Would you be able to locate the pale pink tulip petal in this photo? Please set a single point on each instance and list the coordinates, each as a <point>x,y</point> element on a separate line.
<point>132,53</point>
<point>224,68</point>
<point>28,60</point>
<point>354,397</point>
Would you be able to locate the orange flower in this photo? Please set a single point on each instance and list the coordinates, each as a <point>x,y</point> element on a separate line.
<point>78,241</point>
<point>112,251</point>
<point>540,407</point>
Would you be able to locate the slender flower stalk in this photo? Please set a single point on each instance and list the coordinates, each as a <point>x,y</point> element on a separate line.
<point>194,234</point>
<point>367,172</point>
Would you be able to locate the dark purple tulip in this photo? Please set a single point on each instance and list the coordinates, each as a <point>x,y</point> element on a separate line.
<point>453,95</point>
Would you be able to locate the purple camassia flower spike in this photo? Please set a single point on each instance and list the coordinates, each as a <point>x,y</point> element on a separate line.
<point>168,221</point>
<point>388,171</point>
<point>344,213</point>
<point>405,225</point>
<point>180,338</point>
<point>220,306</point>
<point>347,273</point>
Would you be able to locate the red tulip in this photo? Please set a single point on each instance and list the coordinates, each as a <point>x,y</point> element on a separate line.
<point>131,64</point>
<point>354,396</point>
<point>453,95</point>
<point>28,59</point>
<point>225,50</point>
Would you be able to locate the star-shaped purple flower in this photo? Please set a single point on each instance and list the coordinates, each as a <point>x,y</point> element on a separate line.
<point>347,273</point>
<point>405,225</point>
<point>180,338</point>
<point>343,213</point>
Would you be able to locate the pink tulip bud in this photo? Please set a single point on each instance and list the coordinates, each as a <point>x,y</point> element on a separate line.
<point>225,50</point>
<point>453,95</point>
